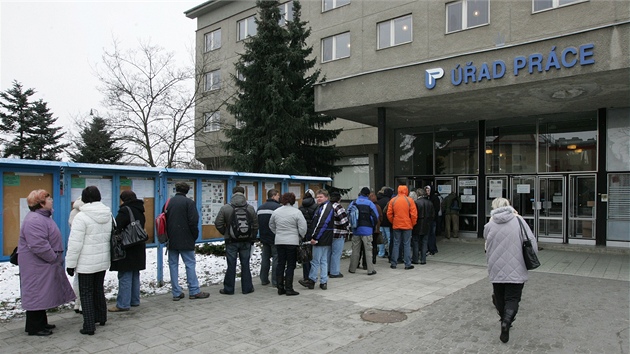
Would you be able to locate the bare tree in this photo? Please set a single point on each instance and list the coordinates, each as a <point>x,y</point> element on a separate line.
<point>151,103</point>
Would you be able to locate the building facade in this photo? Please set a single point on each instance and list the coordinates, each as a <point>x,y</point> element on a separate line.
<point>528,100</point>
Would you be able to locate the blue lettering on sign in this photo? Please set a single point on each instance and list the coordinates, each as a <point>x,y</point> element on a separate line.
<point>533,63</point>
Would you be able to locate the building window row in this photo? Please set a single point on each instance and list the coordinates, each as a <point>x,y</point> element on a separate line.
<point>543,5</point>
<point>336,47</point>
<point>212,121</point>
<point>212,40</point>
<point>333,4</point>
<point>394,32</point>
<point>212,80</point>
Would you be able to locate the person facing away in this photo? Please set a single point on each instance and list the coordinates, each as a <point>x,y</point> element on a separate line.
<point>289,225</point>
<point>135,259</point>
<point>320,235</point>
<point>451,206</point>
<point>432,246</point>
<point>182,219</point>
<point>506,266</point>
<point>342,229</point>
<point>363,233</point>
<point>234,247</point>
<point>43,284</point>
<point>383,197</point>
<point>402,213</point>
<point>422,228</point>
<point>76,207</point>
<point>267,237</point>
<point>308,209</point>
<point>89,256</point>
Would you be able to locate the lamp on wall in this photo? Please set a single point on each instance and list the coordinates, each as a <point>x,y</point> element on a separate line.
<point>572,147</point>
<point>488,150</point>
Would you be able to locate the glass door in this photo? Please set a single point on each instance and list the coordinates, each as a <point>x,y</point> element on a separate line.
<point>582,209</point>
<point>551,197</point>
<point>496,187</point>
<point>524,199</point>
<point>467,191</point>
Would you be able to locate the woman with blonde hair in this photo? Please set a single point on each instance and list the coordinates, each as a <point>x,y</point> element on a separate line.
<point>506,266</point>
<point>43,284</point>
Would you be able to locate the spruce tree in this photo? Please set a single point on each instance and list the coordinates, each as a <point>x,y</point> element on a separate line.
<point>279,131</point>
<point>44,139</point>
<point>16,118</point>
<point>96,144</point>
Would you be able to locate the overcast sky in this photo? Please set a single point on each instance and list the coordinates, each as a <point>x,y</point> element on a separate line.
<point>53,46</point>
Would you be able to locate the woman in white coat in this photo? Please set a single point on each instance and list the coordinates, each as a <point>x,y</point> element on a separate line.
<point>289,224</point>
<point>89,256</point>
<point>506,266</point>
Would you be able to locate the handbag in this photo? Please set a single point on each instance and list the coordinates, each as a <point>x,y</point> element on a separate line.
<point>117,251</point>
<point>134,233</point>
<point>379,238</point>
<point>529,255</point>
<point>304,252</point>
<point>13,258</point>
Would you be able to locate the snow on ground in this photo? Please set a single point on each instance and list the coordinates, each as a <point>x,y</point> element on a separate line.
<point>210,270</point>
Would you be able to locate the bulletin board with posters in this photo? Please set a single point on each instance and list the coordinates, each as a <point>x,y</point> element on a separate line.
<point>251,192</point>
<point>298,190</point>
<point>145,191</point>
<point>213,197</point>
<point>16,187</point>
<point>104,184</point>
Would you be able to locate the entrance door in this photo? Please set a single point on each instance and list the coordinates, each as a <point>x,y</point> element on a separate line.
<point>582,209</point>
<point>541,201</point>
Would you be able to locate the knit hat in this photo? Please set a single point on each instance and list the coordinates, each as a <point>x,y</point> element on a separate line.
<point>335,197</point>
<point>309,194</point>
<point>365,191</point>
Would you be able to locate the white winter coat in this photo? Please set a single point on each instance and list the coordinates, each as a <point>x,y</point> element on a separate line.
<point>89,240</point>
<point>504,248</point>
<point>288,224</point>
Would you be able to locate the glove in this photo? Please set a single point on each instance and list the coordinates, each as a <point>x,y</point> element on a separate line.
<point>70,271</point>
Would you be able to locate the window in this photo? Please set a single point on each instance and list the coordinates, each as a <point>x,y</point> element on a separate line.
<point>542,5</point>
<point>213,80</point>
<point>246,28</point>
<point>394,32</point>
<point>466,14</point>
<point>333,4</point>
<point>336,47</point>
<point>212,121</point>
<point>213,40</point>
<point>286,13</point>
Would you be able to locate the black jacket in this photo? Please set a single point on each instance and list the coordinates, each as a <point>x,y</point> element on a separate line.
<point>308,209</point>
<point>264,214</point>
<point>136,258</point>
<point>425,217</point>
<point>382,201</point>
<point>182,219</point>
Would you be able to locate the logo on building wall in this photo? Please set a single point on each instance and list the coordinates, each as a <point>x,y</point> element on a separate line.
<point>533,63</point>
<point>431,75</point>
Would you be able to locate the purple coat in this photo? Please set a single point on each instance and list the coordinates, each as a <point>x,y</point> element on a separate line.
<point>43,281</point>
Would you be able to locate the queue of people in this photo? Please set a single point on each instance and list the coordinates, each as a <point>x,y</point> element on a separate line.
<point>407,219</point>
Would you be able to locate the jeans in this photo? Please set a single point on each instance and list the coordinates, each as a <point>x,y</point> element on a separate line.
<point>386,232</point>
<point>405,235</point>
<point>432,240</point>
<point>188,256</point>
<point>268,251</point>
<point>319,264</point>
<point>243,251</point>
<point>128,289</point>
<point>334,259</point>
<point>287,257</point>
<point>357,241</point>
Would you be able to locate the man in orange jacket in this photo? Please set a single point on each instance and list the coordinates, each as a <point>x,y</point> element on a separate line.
<point>402,213</point>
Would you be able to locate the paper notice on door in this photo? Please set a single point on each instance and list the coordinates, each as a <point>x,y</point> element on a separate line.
<point>495,188</point>
<point>523,188</point>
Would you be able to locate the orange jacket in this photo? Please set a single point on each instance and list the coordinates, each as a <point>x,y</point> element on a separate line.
<point>401,210</point>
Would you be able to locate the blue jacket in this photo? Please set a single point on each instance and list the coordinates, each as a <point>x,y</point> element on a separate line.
<point>364,204</point>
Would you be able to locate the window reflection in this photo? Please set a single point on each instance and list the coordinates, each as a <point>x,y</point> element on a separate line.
<point>568,143</point>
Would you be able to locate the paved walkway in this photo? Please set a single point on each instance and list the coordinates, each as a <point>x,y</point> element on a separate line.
<point>575,302</point>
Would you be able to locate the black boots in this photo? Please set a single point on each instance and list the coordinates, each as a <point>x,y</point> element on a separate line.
<point>288,287</point>
<point>307,283</point>
<point>280,281</point>
<point>506,323</point>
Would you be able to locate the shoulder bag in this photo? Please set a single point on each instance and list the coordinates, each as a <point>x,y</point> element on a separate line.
<point>134,233</point>
<point>529,254</point>
<point>13,258</point>
<point>117,251</point>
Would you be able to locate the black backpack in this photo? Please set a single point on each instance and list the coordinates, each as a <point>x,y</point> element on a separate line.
<point>241,224</point>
